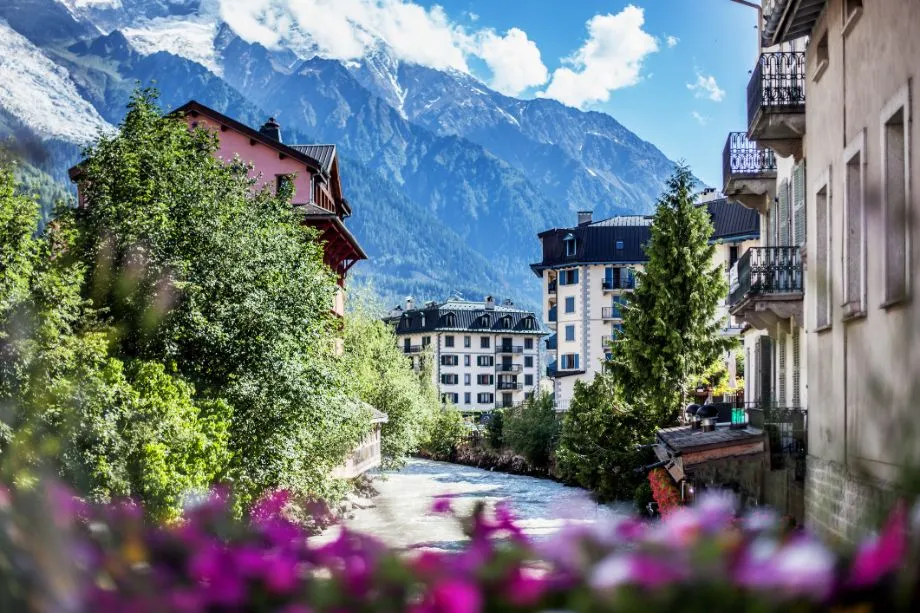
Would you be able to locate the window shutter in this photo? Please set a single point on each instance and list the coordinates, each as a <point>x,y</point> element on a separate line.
<point>783,221</point>
<point>781,367</point>
<point>796,369</point>
<point>798,203</point>
<point>765,366</point>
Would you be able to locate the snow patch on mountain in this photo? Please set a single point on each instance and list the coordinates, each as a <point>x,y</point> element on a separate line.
<point>190,39</point>
<point>41,94</point>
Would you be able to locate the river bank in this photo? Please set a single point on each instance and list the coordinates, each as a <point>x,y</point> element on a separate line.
<point>479,457</point>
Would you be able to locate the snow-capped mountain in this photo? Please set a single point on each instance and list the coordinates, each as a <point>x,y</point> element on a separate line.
<point>459,174</point>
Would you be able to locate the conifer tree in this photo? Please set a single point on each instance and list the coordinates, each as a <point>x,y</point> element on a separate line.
<point>671,331</point>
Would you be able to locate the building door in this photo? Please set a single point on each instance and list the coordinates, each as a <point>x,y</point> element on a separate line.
<point>507,400</point>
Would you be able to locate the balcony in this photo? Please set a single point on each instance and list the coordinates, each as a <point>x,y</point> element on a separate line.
<point>624,283</point>
<point>512,349</point>
<point>551,342</point>
<point>766,286</point>
<point>776,102</point>
<point>409,349</point>
<point>551,316</point>
<point>748,172</point>
<point>511,368</point>
<point>509,385</point>
<point>611,313</point>
<point>551,288</point>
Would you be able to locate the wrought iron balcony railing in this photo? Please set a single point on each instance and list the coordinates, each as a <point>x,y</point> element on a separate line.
<point>502,348</point>
<point>509,385</point>
<point>413,348</point>
<point>513,368</point>
<point>766,270</point>
<point>777,85</point>
<point>743,157</point>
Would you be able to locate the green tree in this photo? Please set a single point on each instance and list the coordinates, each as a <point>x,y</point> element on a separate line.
<point>223,283</point>
<point>598,446</point>
<point>446,433</point>
<point>671,332</point>
<point>382,376</point>
<point>532,430</point>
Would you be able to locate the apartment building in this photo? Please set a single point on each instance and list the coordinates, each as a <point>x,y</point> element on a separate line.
<point>484,355</point>
<point>832,294</point>
<point>588,270</point>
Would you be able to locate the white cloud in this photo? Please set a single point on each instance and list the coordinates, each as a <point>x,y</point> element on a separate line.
<point>700,119</point>
<point>513,59</point>
<point>610,59</point>
<point>671,41</point>
<point>472,16</point>
<point>706,87</point>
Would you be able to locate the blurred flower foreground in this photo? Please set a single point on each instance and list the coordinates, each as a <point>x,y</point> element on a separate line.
<point>58,554</point>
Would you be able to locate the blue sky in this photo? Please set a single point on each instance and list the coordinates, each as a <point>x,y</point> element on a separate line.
<point>673,71</point>
<point>714,38</point>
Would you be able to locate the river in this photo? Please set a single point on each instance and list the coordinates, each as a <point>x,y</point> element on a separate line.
<point>400,516</point>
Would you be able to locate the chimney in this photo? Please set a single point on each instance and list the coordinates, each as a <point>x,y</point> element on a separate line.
<point>508,302</point>
<point>410,303</point>
<point>271,129</point>
<point>584,217</point>
<point>490,302</point>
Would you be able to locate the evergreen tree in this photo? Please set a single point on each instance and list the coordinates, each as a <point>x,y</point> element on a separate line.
<point>671,331</point>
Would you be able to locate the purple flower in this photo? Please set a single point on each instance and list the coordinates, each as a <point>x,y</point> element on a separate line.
<point>639,569</point>
<point>442,505</point>
<point>800,567</point>
<point>524,589</point>
<point>456,596</point>
<point>883,554</point>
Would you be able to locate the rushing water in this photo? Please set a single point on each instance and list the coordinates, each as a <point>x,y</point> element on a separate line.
<point>401,517</point>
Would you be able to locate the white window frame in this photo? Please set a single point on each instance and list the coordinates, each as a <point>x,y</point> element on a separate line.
<point>854,308</point>
<point>825,184</point>
<point>901,101</point>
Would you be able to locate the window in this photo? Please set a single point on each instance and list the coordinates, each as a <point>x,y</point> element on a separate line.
<point>485,398</point>
<point>485,379</point>
<point>467,398</point>
<point>570,304</point>
<point>732,255</point>
<point>284,184</point>
<point>822,57</point>
<point>529,323</point>
<point>448,341</point>
<point>484,342</point>
<point>450,360</point>
<point>568,277</point>
<point>407,344</point>
<point>798,205</point>
<point>485,360</point>
<point>452,398</point>
<point>466,360</point>
<point>895,186</point>
<point>619,245</point>
<point>426,341</point>
<point>450,379</point>
<point>467,341</point>
<point>485,322</point>
<point>528,380</point>
<point>570,333</point>
<point>783,218</point>
<point>528,361</point>
<point>571,245</point>
<point>854,228</point>
<point>466,379</point>
<point>823,254</point>
<point>506,322</point>
<point>528,343</point>
<point>569,361</point>
<point>450,320</point>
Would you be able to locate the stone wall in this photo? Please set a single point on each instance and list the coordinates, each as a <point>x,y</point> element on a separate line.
<point>840,505</point>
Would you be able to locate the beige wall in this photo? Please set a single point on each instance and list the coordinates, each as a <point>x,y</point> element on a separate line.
<point>861,370</point>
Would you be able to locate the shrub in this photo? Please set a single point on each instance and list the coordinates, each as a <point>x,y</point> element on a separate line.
<point>532,430</point>
<point>447,432</point>
<point>496,435</point>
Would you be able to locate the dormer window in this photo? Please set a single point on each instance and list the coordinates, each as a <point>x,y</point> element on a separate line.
<point>486,321</point>
<point>450,320</point>
<point>571,245</point>
<point>506,322</point>
<point>423,319</point>
<point>619,245</point>
<point>529,323</point>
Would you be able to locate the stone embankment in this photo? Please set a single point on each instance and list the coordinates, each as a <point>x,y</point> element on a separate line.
<point>488,459</point>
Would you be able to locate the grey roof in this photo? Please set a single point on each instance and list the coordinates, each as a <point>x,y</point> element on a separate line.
<point>458,315</point>
<point>324,154</point>
<point>732,220</point>
<point>594,244</point>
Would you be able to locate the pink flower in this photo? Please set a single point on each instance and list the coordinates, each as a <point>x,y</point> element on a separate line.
<point>883,554</point>
<point>636,569</point>
<point>442,505</point>
<point>456,596</point>
<point>524,589</point>
<point>801,567</point>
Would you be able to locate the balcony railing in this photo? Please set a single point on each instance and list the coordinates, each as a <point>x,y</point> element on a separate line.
<point>743,157</point>
<point>624,283</point>
<point>515,368</point>
<point>413,348</point>
<point>611,313</point>
<point>551,342</point>
<point>551,288</point>
<point>552,314</point>
<point>766,270</point>
<point>509,385</point>
<point>502,348</point>
<point>777,85</point>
